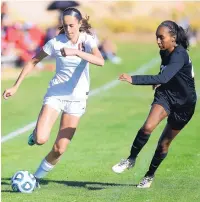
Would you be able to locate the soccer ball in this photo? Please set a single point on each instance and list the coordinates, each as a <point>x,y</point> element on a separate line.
<point>23,181</point>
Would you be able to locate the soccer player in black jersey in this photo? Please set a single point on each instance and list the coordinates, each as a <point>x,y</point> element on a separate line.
<point>175,97</point>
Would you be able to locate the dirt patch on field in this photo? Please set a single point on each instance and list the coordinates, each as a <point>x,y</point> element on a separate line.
<point>10,73</point>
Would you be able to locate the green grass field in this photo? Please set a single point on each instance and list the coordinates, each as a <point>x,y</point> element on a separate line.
<point>104,136</point>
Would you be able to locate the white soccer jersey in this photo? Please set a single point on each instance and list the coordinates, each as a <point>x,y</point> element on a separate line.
<point>71,81</point>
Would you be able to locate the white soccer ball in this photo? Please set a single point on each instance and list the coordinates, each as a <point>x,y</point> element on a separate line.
<point>23,181</point>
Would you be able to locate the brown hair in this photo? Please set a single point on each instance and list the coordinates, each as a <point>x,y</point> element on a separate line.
<point>85,26</point>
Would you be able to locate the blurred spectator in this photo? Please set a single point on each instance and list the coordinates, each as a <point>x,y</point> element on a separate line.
<point>109,50</point>
<point>34,36</point>
<point>51,32</point>
<point>8,53</point>
<point>26,39</point>
<point>19,40</point>
<point>4,10</point>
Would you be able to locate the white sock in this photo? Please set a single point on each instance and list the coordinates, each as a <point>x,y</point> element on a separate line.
<point>43,169</point>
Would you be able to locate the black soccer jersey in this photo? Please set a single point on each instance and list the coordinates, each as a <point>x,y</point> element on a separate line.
<point>176,78</point>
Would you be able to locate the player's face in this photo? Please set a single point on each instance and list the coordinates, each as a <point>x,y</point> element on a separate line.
<point>71,26</point>
<point>164,39</point>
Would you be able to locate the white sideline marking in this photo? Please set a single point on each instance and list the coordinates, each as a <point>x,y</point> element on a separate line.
<point>141,70</point>
<point>18,132</point>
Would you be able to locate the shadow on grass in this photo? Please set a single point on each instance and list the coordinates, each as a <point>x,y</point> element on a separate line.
<point>79,184</point>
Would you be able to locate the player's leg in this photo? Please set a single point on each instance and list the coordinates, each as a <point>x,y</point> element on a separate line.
<point>156,115</point>
<point>68,124</point>
<point>47,117</point>
<point>67,129</point>
<point>160,154</point>
<point>176,122</point>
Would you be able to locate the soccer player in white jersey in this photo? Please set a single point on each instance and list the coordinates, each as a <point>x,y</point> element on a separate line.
<point>73,48</point>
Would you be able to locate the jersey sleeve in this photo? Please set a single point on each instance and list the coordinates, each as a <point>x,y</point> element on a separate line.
<point>91,41</point>
<point>175,64</point>
<point>49,48</point>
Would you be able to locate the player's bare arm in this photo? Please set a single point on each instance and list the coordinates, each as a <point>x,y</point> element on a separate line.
<point>25,71</point>
<point>94,58</point>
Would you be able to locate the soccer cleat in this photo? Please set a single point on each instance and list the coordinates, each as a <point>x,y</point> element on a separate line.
<point>146,182</point>
<point>123,165</point>
<point>31,141</point>
<point>37,184</point>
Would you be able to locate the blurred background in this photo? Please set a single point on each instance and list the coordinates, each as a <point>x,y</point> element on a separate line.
<point>125,33</point>
<point>27,25</point>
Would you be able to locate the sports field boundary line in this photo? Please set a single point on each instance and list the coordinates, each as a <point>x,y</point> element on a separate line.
<point>141,70</point>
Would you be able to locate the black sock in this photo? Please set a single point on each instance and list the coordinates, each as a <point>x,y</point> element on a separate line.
<point>156,161</point>
<point>138,143</point>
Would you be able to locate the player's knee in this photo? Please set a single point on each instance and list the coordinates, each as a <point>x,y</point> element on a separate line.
<point>40,138</point>
<point>148,128</point>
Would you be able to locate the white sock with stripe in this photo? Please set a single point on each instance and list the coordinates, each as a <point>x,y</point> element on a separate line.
<point>43,169</point>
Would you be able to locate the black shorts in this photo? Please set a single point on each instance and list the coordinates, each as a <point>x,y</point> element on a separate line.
<point>162,100</point>
<point>177,117</point>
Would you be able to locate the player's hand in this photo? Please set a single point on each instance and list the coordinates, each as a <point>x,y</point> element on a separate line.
<point>9,92</point>
<point>125,77</point>
<point>155,86</point>
<point>68,52</point>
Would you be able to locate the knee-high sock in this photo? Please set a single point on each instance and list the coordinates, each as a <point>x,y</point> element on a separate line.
<point>43,169</point>
<point>156,161</point>
<point>138,143</point>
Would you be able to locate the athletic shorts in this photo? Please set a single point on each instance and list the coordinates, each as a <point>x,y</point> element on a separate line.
<point>177,117</point>
<point>76,108</point>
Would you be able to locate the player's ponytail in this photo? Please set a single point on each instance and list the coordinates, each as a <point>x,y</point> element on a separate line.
<point>85,26</point>
<point>182,37</point>
<point>178,32</point>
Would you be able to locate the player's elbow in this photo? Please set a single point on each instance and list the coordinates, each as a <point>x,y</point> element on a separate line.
<point>34,61</point>
<point>164,80</point>
<point>101,62</point>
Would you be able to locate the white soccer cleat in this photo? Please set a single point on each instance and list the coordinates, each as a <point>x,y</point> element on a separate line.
<point>123,165</point>
<point>146,182</point>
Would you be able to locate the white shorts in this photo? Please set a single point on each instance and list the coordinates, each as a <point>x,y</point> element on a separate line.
<point>76,108</point>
